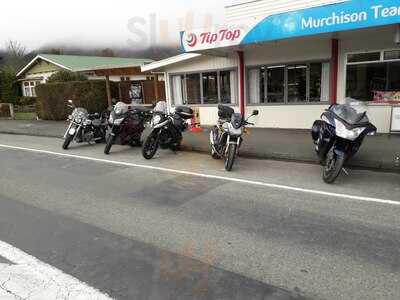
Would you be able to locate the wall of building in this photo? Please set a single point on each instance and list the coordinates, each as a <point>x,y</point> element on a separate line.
<point>360,41</point>
<point>244,10</point>
<point>43,67</point>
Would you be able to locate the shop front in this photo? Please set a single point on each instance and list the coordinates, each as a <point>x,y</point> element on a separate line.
<point>291,64</point>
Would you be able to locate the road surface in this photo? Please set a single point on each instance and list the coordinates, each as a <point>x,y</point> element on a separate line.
<point>180,227</point>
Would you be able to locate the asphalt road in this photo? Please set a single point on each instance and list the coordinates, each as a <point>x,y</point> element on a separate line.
<point>139,233</point>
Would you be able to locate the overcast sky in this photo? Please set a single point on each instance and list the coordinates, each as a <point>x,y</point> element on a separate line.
<point>94,23</point>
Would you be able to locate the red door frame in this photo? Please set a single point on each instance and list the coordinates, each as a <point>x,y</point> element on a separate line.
<point>334,70</point>
<point>241,82</point>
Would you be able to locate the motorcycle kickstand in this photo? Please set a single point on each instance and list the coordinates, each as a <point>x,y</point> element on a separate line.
<point>345,171</point>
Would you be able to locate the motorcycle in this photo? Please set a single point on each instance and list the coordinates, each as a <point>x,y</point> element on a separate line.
<point>84,127</point>
<point>339,134</point>
<point>166,129</point>
<point>226,136</point>
<point>126,125</point>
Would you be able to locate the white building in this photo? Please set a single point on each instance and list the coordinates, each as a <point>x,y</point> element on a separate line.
<point>291,59</point>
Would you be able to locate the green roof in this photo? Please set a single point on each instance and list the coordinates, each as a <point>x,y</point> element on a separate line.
<point>77,63</point>
<point>87,63</point>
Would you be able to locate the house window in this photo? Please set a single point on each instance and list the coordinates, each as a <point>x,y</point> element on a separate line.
<point>287,84</point>
<point>374,80</point>
<point>125,78</point>
<point>204,88</point>
<point>28,89</point>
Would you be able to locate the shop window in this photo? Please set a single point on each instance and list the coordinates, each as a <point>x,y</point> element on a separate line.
<point>297,83</point>
<point>177,88</point>
<point>300,83</point>
<point>276,84</point>
<point>210,88</point>
<point>227,86</point>
<point>193,94</point>
<point>375,81</point>
<point>364,80</point>
<point>392,54</point>
<point>204,88</point>
<point>363,57</point>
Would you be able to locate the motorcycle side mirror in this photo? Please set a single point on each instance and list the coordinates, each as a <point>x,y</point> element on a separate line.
<point>255,113</point>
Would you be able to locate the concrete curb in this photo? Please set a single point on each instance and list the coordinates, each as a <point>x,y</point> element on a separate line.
<point>190,146</point>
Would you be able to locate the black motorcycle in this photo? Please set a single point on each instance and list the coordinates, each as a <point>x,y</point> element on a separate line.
<point>166,130</point>
<point>338,136</point>
<point>226,136</point>
<point>84,127</point>
<point>126,125</point>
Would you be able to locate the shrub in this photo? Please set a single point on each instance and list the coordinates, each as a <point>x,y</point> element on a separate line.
<point>9,92</point>
<point>52,98</point>
<point>66,76</point>
<point>25,101</point>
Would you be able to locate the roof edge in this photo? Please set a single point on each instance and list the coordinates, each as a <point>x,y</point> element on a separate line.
<point>169,61</point>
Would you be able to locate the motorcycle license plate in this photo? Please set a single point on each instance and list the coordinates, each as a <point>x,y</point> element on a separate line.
<point>72,131</point>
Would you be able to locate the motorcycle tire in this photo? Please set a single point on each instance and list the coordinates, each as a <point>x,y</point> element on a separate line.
<point>110,143</point>
<point>68,139</point>
<point>230,158</point>
<point>150,146</point>
<point>332,168</point>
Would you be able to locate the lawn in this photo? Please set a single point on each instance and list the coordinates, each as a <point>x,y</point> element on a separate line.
<point>25,116</point>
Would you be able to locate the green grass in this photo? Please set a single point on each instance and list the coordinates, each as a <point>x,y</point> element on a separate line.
<point>25,116</point>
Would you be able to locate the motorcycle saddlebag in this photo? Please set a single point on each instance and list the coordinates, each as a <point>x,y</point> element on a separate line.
<point>184,112</point>
<point>316,129</point>
<point>225,112</point>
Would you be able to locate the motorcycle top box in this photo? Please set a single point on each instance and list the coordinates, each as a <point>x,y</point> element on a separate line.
<point>225,112</point>
<point>184,112</point>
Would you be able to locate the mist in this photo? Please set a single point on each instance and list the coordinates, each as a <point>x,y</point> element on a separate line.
<point>127,27</point>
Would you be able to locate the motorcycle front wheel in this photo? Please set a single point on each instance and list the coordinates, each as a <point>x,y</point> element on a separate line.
<point>230,158</point>
<point>150,146</point>
<point>68,139</point>
<point>110,142</point>
<point>333,166</point>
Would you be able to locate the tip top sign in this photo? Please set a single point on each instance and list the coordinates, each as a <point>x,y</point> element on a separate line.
<point>203,40</point>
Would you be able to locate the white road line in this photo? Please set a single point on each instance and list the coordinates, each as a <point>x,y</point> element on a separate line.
<point>34,279</point>
<point>232,179</point>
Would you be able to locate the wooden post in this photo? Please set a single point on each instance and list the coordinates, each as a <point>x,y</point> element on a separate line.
<point>156,95</point>
<point>108,89</point>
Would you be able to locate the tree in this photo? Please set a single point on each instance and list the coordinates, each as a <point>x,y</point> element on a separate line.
<point>15,56</point>
<point>8,86</point>
<point>107,52</point>
<point>64,76</point>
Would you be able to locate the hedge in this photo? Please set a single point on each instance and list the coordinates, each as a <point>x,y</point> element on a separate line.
<point>52,98</point>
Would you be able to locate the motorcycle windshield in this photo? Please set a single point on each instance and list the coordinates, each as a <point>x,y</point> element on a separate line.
<point>121,108</point>
<point>353,111</point>
<point>80,112</point>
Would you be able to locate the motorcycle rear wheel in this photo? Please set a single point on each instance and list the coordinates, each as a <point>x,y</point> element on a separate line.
<point>150,146</point>
<point>230,159</point>
<point>68,139</point>
<point>110,143</point>
<point>333,167</point>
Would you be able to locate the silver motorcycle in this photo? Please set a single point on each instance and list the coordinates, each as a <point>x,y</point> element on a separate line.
<point>84,127</point>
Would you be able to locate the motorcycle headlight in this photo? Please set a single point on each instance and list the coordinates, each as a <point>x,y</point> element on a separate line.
<point>235,131</point>
<point>344,133</point>
<point>156,120</point>
<point>78,120</point>
<point>88,122</point>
